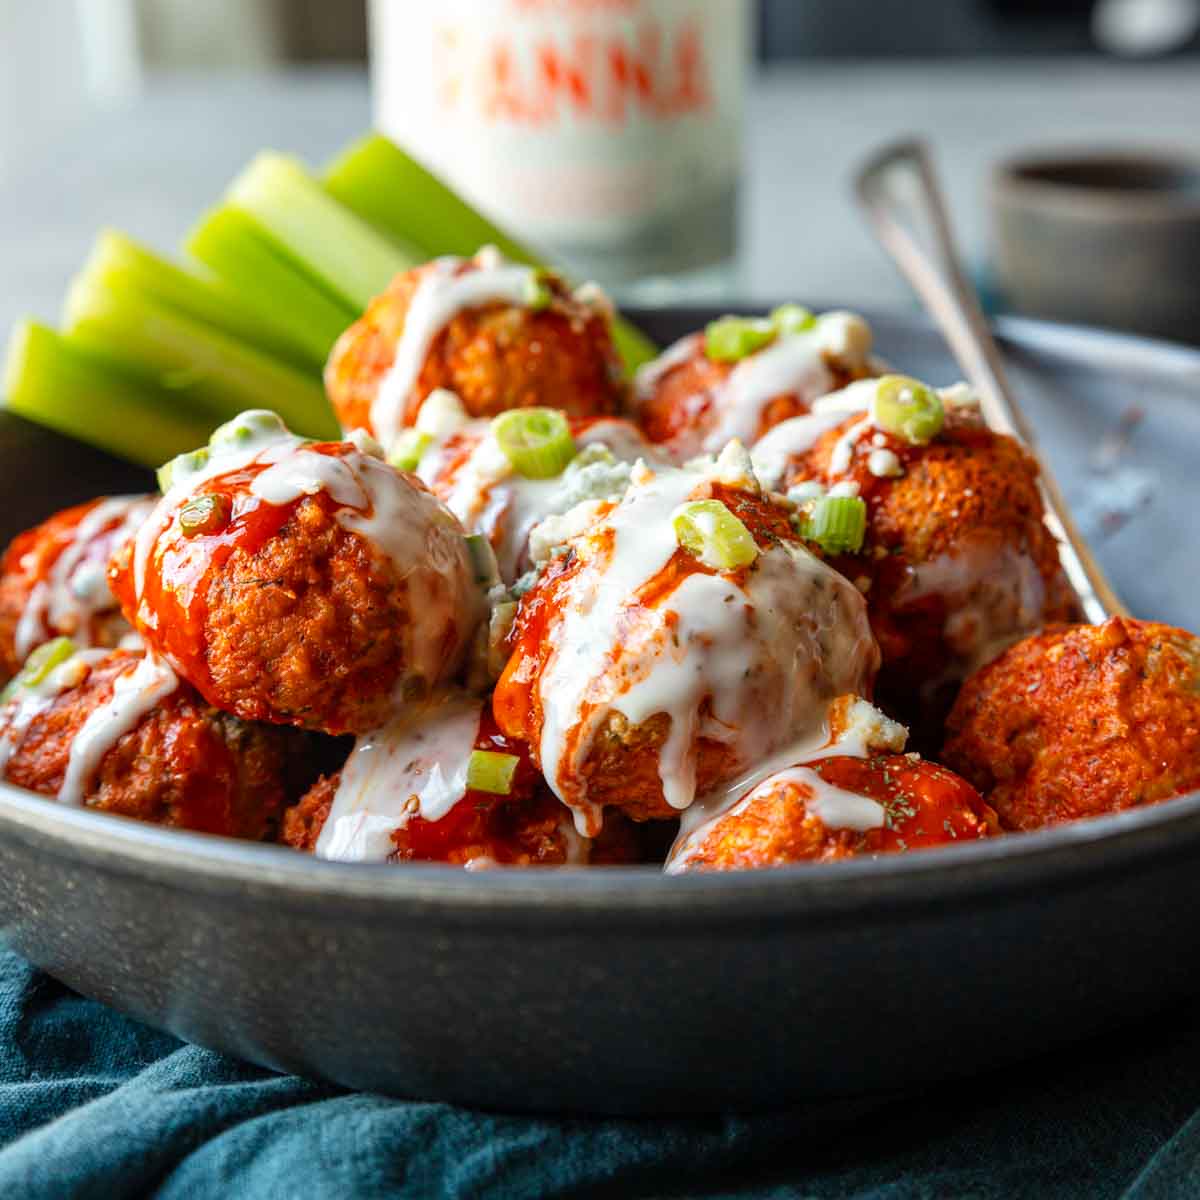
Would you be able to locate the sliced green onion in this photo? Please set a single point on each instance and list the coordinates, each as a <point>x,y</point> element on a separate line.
<point>59,383</point>
<point>537,441</point>
<point>710,532</point>
<point>249,263</point>
<point>408,449</point>
<point>205,514</point>
<point>44,659</point>
<point>188,463</point>
<point>539,294</point>
<point>491,771</point>
<point>908,409</point>
<point>729,339</point>
<point>331,244</point>
<point>255,424</point>
<point>377,180</point>
<point>792,318</point>
<point>837,524</point>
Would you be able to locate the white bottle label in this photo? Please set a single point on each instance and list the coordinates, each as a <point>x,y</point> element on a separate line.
<point>605,130</point>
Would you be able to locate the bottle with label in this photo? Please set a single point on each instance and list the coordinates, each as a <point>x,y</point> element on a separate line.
<point>605,132</point>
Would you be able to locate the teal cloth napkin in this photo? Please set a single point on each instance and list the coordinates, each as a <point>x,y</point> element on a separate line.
<point>94,1104</point>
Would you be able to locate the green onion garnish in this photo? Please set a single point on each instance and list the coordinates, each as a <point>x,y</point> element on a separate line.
<point>408,449</point>
<point>729,339</point>
<point>908,409</point>
<point>837,524</point>
<point>710,532</point>
<point>253,424</point>
<point>537,441</point>
<point>208,513</point>
<point>792,318</point>
<point>538,293</point>
<point>172,472</point>
<point>491,771</point>
<point>44,659</point>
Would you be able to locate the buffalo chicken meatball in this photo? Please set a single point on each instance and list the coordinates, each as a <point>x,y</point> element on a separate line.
<point>117,731</point>
<point>840,807</point>
<point>300,583</point>
<point>731,382</point>
<point>1080,721</point>
<point>497,334</point>
<point>473,467</point>
<point>680,637</point>
<point>53,579</point>
<point>442,784</point>
<point>953,553</point>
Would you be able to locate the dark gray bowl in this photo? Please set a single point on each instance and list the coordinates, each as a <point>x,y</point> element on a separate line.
<point>622,991</point>
<point>1107,238</point>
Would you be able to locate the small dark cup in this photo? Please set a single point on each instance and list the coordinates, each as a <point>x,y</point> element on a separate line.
<point>1102,238</point>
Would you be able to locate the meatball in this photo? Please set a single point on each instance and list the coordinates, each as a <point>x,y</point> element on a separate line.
<point>680,637</point>
<point>407,795</point>
<point>501,336</point>
<point>53,581</point>
<point>468,470</point>
<point>839,807</point>
<point>694,403</point>
<point>956,561</point>
<point>300,583</point>
<point>1081,720</point>
<point>117,731</point>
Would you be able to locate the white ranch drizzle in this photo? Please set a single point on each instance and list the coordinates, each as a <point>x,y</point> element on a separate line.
<point>75,589</point>
<point>135,692</point>
<point>259,447</point>
<point>994,595</point>
<point>766,653</point>
<point>31,700</point>
<point>403,523</point>
<point>834,807</point>
<point>792,364</point>
<point>416,765</point>
<point>773,453</point>
<point>443,291</point>
<point>488,496</point>
<point>649,375</point>
<point>866,731</point>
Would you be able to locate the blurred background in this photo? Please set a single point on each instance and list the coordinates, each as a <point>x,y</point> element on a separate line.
<point>138,112</point>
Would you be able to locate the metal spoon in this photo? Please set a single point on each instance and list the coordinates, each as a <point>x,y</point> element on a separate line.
<point>952,303</point>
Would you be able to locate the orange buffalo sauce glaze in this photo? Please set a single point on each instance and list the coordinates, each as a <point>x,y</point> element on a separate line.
<point>483,824</point>
<point>173,607</point>
<point>926,805</point>
<point>516,702</point>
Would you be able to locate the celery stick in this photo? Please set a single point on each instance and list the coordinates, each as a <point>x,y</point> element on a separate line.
<point>377,180</point>
<point>204,299</point>
<point>232,245</point>
<point>339,250</point>
<point>53,381</point>
<point>108,312</point>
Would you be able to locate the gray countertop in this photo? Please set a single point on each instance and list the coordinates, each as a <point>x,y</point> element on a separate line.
<point>151,166</point>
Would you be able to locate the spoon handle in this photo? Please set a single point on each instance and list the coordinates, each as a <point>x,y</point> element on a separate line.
<point>899,191</point>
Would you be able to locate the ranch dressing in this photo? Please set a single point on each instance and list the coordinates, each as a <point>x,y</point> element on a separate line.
<point>444,290</point>
<point>416,765</point>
